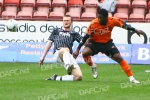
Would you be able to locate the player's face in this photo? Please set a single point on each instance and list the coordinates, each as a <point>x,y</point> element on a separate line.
<point>103,20</point>
<point>67,22</point>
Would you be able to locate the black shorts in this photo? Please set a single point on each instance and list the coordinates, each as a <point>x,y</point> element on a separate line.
<point>108,48</point>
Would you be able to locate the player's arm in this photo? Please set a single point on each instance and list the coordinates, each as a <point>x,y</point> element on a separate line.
<point>89,32</point>
<point>83,40</point>
<point>47,47</point>
<point>81,43</point>
<point>130,28</point>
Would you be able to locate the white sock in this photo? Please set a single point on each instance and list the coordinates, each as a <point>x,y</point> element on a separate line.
<point>74,62</point>
<point>131,78</point>
<point>93,66</point>
<point>65,78</point>
<point>67,58</point>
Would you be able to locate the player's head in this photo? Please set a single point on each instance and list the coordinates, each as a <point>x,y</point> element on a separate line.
<point>103,16</point>
<point>67,21</point>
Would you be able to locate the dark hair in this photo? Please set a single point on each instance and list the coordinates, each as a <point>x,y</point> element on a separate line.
<point>104,12</point>
<point>68,16</point>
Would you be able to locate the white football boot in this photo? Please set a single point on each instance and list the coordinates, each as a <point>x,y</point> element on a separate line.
<point>94,71</point>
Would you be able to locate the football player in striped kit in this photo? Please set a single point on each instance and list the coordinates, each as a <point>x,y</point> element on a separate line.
<point>63,41</point>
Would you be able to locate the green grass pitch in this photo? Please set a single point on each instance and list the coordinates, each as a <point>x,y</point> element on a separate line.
<point>26,81</point>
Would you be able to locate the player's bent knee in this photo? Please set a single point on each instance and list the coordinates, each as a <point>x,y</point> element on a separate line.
<point>78,77</point>
<point>86,52</point>
<point>117,57</point>
<point>76,72</point>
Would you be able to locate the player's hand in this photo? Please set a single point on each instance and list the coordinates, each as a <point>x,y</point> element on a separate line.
<point>41,62</point>
<point>75,54</point>
<point>139,32</point>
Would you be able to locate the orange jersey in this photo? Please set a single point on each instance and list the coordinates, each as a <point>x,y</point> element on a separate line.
<point>102,33</point>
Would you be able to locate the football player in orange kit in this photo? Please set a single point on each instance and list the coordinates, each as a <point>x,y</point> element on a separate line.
<point>99,40</point>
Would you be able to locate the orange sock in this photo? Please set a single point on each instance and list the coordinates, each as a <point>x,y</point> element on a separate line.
<point>88,60</point>
<point>124,65</point>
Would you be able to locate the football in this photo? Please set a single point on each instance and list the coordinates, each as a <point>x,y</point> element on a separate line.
<point>12,25</point>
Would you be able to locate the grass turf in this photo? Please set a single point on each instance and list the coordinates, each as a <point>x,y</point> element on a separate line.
<point>26,81</point>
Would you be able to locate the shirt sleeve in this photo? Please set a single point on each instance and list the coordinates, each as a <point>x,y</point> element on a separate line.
<point>78,37</point>
<point>52,35</point>
<point>118,22</point>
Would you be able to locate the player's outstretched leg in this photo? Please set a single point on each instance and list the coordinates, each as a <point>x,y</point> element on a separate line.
<point>76,76</point>
<point>124,65</point>
<point>67,60</point>
<point>55,77</point>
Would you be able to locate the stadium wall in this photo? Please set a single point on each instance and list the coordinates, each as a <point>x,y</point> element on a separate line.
<point>31,52</point>
<point>28,43</point>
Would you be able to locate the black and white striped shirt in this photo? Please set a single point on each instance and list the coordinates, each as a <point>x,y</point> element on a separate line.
<point>63,38</point>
